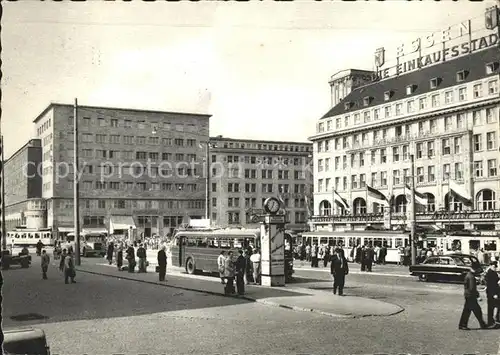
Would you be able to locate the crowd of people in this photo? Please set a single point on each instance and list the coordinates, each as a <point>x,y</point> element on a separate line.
<point>245,268</point>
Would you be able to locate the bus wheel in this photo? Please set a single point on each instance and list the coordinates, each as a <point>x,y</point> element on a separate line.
<point>423,277</point>
<point>190,266</point>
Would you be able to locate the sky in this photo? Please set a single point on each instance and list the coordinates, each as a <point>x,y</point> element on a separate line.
<point>261,69</point>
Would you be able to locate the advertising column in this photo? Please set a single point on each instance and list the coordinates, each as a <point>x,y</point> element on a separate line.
<point>273,250</point>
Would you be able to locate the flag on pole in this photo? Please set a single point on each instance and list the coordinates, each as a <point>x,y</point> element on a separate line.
<point>308,206</point>
<point>340,200</point>
<point>377,195</point>
<point>460,193</point>
<point>420,198</point>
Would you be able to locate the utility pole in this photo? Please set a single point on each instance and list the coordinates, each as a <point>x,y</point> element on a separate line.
<point>4,228</point>
<point>413,214</point>
<point>76,190</point>
<point>207,182</point>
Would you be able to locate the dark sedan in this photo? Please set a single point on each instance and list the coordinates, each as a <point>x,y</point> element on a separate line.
<point>445,267</point>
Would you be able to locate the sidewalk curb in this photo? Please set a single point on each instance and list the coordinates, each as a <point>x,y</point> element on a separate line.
<point>247,298</point>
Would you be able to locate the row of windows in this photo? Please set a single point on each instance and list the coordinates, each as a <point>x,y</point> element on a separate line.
<point>132,204</point>
<point>139,124</point>
<point>142,221</point>
<point>234,202</point>
<point>266,146</point>
<point>423,175</point>
<point>281,161</point>
<point>234,217</point>
<point>250,188</point>
<point>411,130</point>
<point>409,107</point>
<point>137,140</point>
<point>137,186</point>
<point>424,150</point>
<point>43,127</point>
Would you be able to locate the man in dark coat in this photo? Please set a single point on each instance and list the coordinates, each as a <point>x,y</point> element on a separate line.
<point>39,247</point>
<point>240,272</point>
<point>339,268</point>
<point>471,305</point>
<point>383,254</point>
<point>162,263</point>
<point>141,254</point>
<point>492,292</point>
<point>369,255</point>
<point>359,253</point>
<point>131,259</point>
<point>109,256</point>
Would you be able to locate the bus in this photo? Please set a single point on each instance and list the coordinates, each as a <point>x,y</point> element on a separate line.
<point>23,237</point>
<point>91,243</point>
<point>198,250</point>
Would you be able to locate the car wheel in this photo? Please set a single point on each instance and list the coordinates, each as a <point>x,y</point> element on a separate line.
<point>190,267</point>
<point>423,278</point>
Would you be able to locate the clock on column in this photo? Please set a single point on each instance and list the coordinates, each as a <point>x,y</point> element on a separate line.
<point>272,205</point>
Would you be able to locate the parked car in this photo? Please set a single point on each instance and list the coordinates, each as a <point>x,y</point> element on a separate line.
<point>8,259</point>
<point>445,267</point>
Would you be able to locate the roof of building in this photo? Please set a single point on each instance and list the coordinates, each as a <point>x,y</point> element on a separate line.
<point>221,138</point>
<point>26,145</point>
<point>473,64</point>
<point>54,104</point>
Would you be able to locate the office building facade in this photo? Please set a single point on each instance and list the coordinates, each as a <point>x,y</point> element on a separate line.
<point>247,172</point>
<point>140,171</point>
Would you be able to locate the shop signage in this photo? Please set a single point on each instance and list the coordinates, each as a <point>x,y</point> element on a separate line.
<point>455,41</point>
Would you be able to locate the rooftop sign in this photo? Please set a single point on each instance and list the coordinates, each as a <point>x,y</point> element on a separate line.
<point>455,41</point>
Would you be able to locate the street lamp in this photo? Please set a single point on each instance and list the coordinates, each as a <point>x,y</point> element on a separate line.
<point>413,213</point>
<point>208,145</point>
<point>76,190</point>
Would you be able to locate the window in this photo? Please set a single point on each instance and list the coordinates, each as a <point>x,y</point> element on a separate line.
<point>478,142</point>
<point>374,179</point>
<point>435,100</point>
<point>491,142</point>
<point>478,168</point>
<point>346,121</point>
<point>410,105</point>
<point>430,149</point>
<point>395,177</point>
<point>376,114</point>
<point>477,118</point>
<point>431,173</point>
<point>329,125</point>
<point>101,138</point>
<point>456,145</point>
<point>366,101</point>
<point>460,120</point>
<point>493,87</point>
<point>399,109</point>
<point>491,67</point>
<point>383,156</point>
<point>140,140</point>
<point>446,146</point>
<point>446,172</point>
<point>114,122</point>
<point>387,111</point>
<point>462,94</point>
<point>101,121</point>
<point>337,123</point>
<point>366,117</point>
<point>387,95</point>
<point>361,159</point>
<point>406,176</point>
<point>356,118</point>
<point>486,200</point>
<point>399,131</point>
<point>459,171</point>
<point>420,175</point>
<point>383,178</point>
<point>354,182</point>
<point>433,126</point>
<point>362,181</point>
<point>409,90</point>
<point>478,90</point>
<point>448,124</point>
<point>422,103</point>
<point>395,154</point>
<point>490,116</point>
<point>434,83</point>
<point>492,167</point>
<point>373,157</point>
<point>461,76</point>
<point>419,149</point>
<point>448,97</point>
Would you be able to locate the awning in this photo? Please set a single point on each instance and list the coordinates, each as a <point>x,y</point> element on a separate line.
<point>94,230</point>
<point>121,223</point>
<point>65,229</point>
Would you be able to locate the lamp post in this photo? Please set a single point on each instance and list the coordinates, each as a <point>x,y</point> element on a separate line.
<point>76,190</point>
<point>208,145</point>
<point>413,213</point>
<point>4,228</point>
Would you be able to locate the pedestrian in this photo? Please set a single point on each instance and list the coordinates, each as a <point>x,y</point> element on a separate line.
<point>314,255</point>
<point>326,256</point>
<point>119,258</point>
<point>69,268</point>
<point>111,248</point>
<point>255,259</point>
<point>131,259</point>
<point>480,256</point>
<point>383,254</point>
<point>492,293</point>
<point>248,265</point>
<point>363,258</point>
<point>39,247</point>
<point>240,272</point>
<point>339,268</point>
<point>61,262</point>
<point>359,253</point>
<point>308,253</point>
<point>141,254</point>
<point>221,261</point>
<point>471,300</point>
<point>369,256</point>
<point>162,263</point>
<point>229,274</point>
<point>45,264</point>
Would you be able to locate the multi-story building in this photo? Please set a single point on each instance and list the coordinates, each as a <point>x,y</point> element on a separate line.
<point>246,172</point>
<point>139,170</point>
<point>446,115</point>
<point>23,187</point>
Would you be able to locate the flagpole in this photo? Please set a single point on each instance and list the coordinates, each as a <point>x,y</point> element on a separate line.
<point>413,214</point>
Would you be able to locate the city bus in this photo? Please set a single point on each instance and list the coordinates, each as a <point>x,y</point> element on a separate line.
<point>23,237</point>
<point>198,250</point>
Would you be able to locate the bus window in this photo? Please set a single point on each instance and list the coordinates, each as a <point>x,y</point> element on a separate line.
<point>37,236</point>
<point>474,244</point>
<point>191,242</point>
<point>369,241</point>
<point>323,240</point>
<point>176,242</point>
<point>202,243</point>
<point>225,243</point>
<point>377,242</point>
<point>399,242</point>
<point>30,235</point>
<point>388,242</point>
<point>490,245</point>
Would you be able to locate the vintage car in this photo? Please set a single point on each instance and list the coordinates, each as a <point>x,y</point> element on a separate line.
<point>8,259</point>
<point>445,267</point>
